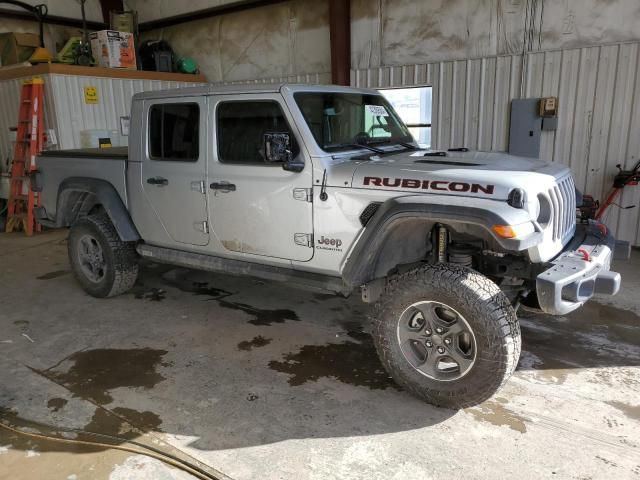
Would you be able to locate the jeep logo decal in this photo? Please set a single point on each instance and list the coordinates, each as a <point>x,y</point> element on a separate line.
<point>441,185</point>
<point>325,243</point>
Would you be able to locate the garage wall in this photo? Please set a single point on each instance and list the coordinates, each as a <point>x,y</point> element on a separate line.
<point>292,37</point>
<point>284,40</point>
<point>599,110</point>
<point>399,32</point>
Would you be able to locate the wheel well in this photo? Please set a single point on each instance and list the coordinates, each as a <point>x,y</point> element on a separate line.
<point>79,197</point>
<point>74,204</point>
<point>413,239</point>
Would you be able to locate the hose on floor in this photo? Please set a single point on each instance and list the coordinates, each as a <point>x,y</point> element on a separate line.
<point>147,450</point>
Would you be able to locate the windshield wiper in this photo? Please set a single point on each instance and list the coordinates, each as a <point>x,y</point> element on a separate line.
<point>409,146</point>
<point>357,145</point>
<point>398,142</point>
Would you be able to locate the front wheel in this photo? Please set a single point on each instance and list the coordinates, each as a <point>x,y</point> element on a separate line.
<point>447,334</point>
<point>102,263</point>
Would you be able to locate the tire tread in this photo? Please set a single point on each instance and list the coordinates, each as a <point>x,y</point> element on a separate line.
<point>479,293</point>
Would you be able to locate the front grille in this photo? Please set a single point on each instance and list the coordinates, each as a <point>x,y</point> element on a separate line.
<point>563,207</point>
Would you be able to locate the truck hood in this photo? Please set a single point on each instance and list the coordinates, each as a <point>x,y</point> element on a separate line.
<point>486,174</point>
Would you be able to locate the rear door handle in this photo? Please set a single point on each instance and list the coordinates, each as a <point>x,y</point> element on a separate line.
<point>160,181</point>
<point>223,186</point>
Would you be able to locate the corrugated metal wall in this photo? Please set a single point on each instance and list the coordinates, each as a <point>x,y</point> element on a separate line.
<point>114,101</point>
<point>65,109</point>
<point>311,78</point>
<point>599,111</point>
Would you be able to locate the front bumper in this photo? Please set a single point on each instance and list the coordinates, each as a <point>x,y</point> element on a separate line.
<point>579,272</point>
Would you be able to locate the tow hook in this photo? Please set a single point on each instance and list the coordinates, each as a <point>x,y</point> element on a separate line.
<point>585,255</point>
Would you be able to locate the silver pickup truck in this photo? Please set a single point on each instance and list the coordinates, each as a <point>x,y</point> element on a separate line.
<point>325,187</point>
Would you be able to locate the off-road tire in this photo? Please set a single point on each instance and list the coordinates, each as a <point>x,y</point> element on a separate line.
<point>120,258</point>
<point>485,308</point>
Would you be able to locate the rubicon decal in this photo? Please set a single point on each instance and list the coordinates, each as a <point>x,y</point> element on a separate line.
<point>325,243</point>
<point>439,185</point>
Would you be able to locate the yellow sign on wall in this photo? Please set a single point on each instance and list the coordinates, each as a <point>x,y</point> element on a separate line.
<point>90,95</point>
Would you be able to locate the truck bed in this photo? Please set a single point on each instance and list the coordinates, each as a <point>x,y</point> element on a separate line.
<point>57,166</point>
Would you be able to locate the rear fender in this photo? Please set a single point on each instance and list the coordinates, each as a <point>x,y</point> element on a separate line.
<point>77,196</point>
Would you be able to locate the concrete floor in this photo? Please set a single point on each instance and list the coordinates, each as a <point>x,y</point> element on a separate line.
<point>264,381</point>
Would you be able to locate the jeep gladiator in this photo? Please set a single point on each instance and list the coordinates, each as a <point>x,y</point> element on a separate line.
<point>325,187</point>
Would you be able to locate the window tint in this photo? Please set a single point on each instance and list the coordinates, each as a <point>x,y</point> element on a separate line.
<point>241,129</point>
<point>174,131</point>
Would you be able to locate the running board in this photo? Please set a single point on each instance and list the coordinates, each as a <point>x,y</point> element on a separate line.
<point>198,261</point>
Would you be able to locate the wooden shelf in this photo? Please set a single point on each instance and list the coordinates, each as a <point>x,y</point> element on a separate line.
<point>64,69</point>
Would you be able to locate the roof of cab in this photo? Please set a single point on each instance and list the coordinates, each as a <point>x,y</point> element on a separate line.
<point>210,89</point>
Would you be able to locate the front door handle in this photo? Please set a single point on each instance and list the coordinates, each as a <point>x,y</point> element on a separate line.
<point>223,186</point>
<point>160,181</point>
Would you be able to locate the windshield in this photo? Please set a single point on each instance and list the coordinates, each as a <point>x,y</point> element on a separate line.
<point>338,121</point>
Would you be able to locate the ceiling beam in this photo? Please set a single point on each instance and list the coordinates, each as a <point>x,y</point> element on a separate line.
<point>232,7</point>
<point>51,19</point>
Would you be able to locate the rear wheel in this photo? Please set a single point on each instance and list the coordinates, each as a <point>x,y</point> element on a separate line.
<point>447,334</point>
<point>103,264</point>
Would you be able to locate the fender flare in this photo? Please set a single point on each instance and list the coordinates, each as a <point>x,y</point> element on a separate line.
<point>361,263</point>
<point>105,194</point>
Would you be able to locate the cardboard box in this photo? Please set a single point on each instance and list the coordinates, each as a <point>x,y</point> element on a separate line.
<point>17,47</point>
<point>112,49</point>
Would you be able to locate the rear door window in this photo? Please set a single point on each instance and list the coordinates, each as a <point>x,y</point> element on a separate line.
<point>174,132</point>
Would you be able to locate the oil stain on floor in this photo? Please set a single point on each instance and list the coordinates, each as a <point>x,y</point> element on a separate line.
<point>187,281</point>
<point>255,342</point>
<point>349,362</point>
<point>262,316</point>
<point>152,294</point>
<point>93,373</point>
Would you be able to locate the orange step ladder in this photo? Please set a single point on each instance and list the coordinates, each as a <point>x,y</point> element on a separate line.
<point>29,142</point>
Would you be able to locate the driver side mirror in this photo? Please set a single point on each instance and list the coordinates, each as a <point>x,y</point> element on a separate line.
<point>277,149</point>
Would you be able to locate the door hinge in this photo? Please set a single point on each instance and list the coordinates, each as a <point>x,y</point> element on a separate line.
<point>303,194</point>
<point>199,186</point>
<point>303,239</point>
<point>202,226</point>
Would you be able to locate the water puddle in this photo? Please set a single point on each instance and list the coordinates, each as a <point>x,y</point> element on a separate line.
<point>593,336</point>
<point>56,404</point>
<point>497,414</point>
<point>123,422</point>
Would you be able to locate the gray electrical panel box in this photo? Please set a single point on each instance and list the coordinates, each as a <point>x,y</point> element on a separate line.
<point>525,128</point>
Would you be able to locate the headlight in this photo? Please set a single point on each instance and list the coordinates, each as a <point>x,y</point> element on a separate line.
<point>516,198</point>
